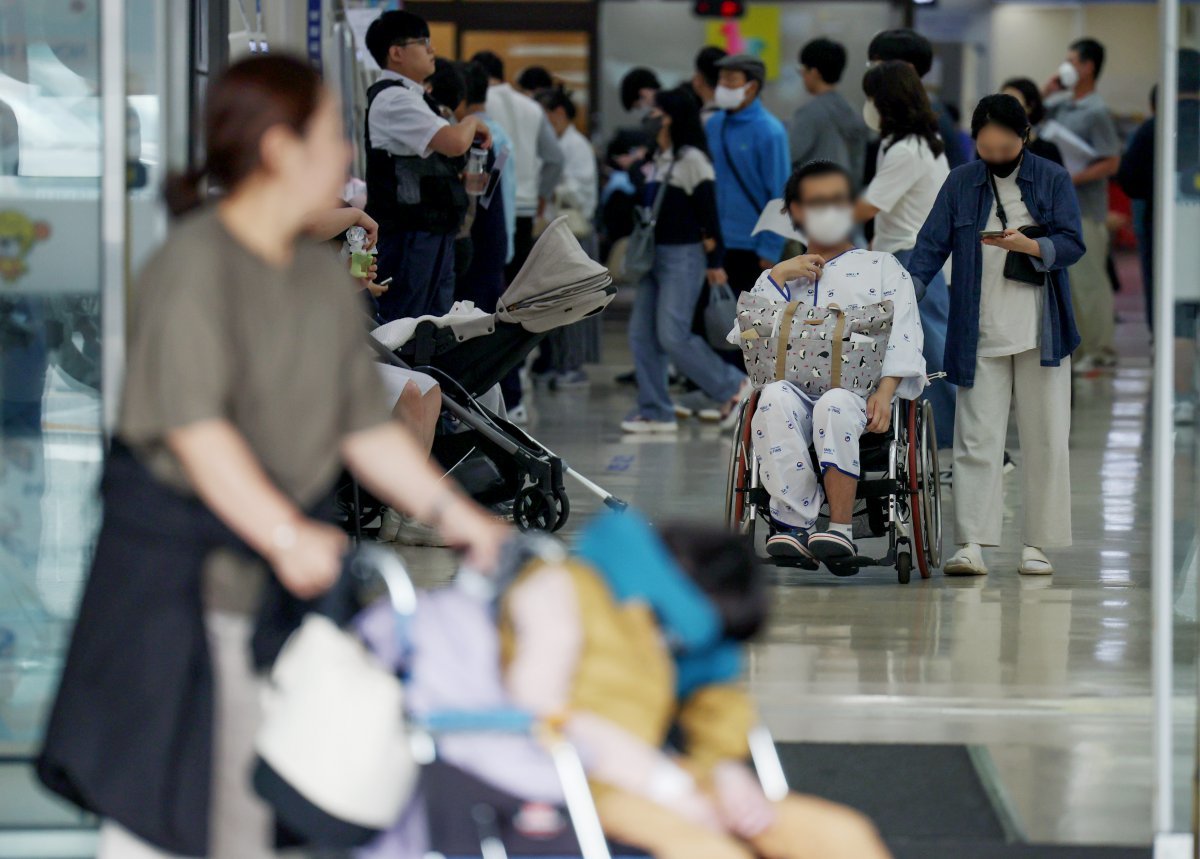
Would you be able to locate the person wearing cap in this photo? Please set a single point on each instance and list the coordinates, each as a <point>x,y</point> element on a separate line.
<point>749,149</point>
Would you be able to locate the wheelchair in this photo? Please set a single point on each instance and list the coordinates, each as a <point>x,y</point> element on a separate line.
<point>899,495</point>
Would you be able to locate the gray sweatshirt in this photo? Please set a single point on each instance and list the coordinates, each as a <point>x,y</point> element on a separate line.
<point>827,128</point>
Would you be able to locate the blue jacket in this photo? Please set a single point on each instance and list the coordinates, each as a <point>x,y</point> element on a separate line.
<point>962,209</point>
<point>758,142</point>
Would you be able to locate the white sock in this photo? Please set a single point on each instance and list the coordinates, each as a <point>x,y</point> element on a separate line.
<point>846,531</point>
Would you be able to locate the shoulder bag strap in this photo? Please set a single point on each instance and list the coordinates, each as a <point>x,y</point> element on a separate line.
<point>781,343</point>
<point>758,207</point>
<point>656,206</point>
<point>999,206</point>
<point>835,349</point>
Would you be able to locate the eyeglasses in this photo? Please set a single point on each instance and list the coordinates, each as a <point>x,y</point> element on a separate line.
<point>424,41</point>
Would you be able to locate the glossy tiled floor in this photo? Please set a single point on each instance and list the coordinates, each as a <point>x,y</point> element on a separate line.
<point>1048,678</point>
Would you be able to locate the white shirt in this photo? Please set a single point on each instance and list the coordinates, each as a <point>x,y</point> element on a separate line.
<point>578,188</point>
<point>523,118</point>
<point>1010,312</point>
<point>401,122</point>
<point>906,183</point>
<point>852,280</point>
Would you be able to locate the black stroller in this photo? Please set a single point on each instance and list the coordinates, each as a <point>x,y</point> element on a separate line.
<point>468,353</point>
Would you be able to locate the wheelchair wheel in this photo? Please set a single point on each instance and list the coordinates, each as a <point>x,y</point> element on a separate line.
<point>915,460</point>
<point>739,510</point>
<point>535,510</point>
<point>925,487</point>
<point>931,497</point>
<point>904,567</point>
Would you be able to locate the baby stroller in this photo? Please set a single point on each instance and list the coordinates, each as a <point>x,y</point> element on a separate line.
<point>466,815</point>
<point>900,495</point>
<point>469,352</point>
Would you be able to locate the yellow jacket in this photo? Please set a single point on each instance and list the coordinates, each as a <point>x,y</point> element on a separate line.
<point>566,636</point>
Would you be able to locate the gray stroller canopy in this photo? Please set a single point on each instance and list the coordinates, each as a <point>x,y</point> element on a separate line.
<point>558,284</point>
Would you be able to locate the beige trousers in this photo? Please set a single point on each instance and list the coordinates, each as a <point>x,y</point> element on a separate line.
<point>1042,396</point>
<point>1091,293</point>
<point>241,824</point>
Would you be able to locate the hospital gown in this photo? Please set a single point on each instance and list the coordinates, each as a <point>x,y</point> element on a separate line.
<point>787,418</point>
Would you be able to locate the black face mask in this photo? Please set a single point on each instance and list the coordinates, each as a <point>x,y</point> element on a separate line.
<point>652,125</point>
<point>1005,168</point>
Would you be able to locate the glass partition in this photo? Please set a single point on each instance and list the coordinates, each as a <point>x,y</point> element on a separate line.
<point>54,351</point>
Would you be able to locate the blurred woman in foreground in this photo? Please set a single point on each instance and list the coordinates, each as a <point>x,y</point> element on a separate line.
<point>248,387</point>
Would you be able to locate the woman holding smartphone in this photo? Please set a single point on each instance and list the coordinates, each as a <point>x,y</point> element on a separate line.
<point>249,386</point>
<point>1011,221</point>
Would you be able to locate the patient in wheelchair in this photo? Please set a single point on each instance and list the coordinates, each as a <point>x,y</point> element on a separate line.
<point>797,412</point>
<point>634,647</point>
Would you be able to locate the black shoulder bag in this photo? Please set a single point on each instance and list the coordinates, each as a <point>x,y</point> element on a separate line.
<point>1019,266</point>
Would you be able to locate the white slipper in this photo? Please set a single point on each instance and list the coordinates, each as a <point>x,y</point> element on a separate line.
<point>967,561</point>
<point>1034,563</point>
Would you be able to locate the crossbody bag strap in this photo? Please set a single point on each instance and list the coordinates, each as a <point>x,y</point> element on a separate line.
<point>835,349</point>
<point>656,206</point>
<point>999,206</point>
<point>736,175</point>
<point>781,342</point>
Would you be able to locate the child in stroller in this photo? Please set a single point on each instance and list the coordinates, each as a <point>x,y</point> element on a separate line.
<point>632,649</point>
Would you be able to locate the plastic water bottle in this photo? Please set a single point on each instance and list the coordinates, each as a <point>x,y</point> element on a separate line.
<point>360,259</point>
<point>475,177</point>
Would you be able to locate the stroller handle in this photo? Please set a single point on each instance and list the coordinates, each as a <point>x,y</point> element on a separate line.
<point>502,721</point>
<point>370,560</point>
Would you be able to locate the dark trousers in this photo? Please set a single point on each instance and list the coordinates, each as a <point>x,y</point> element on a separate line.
<point>421,266</point>
<point>522,242</point>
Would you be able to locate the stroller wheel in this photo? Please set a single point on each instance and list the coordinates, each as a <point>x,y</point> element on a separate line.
<point>563,505</point>
<point>535,510</point>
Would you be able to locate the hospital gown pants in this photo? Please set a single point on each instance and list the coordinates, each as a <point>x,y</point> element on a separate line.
<point>786,422</point>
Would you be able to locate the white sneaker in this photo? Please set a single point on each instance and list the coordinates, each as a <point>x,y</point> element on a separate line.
<point>967,561</point>
<point>398,528</point>
<point>1185,412</point>
<point>744,390</point>
<point>1034,563</point>
<point>699,404</point>
<point>639,424</point>
<point>518,415</point>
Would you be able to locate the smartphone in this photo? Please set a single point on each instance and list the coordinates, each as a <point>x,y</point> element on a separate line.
<point>991,234</point>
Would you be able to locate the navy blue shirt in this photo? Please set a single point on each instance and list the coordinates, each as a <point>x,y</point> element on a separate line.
<point>961,210</point>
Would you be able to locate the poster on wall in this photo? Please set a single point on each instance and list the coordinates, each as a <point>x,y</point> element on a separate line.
<point>756,33</point>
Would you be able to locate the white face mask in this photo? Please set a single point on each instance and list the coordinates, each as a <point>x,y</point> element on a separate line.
<point>870,114</point>
<point>1068,75</point>
<point>829,225</point>
<point>730,98</point>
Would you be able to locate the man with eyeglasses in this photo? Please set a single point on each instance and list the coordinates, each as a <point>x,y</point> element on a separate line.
<point>415,160</point>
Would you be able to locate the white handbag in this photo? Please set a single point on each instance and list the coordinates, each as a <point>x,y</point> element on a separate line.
<point>334,758</point>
